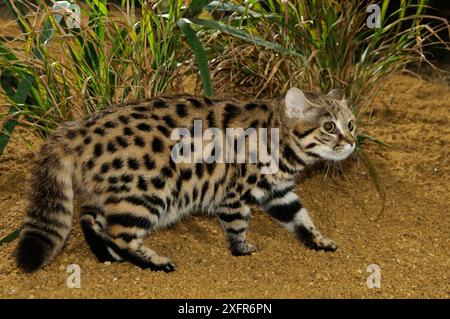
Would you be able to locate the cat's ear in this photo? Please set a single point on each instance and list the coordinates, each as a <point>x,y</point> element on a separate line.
<point>297,105</point>
<point>336,94</point>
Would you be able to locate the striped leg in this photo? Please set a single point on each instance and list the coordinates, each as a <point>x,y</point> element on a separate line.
<point>285,206</point>
<point>137,253</point>
<point>93,225</point>
<point>125,231</point>
<point>234,217</point>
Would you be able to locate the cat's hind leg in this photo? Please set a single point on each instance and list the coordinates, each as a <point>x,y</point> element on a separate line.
<point>128,220</point>
<point>93,224</point>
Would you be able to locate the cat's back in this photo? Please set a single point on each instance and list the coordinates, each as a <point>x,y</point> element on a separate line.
<point>127,149</point>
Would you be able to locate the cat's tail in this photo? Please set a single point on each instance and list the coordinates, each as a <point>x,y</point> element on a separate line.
<point>49,215</point>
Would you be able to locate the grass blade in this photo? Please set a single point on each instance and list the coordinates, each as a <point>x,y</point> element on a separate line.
<point>26,82</point>
<point>200,55</point>
<point>364,138</point>
<point>10,237</point>
<point>214,25</point>
<point>195,8</point>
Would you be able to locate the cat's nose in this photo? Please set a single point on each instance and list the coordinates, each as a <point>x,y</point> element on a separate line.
<point>349,139</point>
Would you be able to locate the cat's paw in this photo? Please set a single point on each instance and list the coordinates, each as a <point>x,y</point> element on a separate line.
<point>315,240</point>
<point>162,263</point>
<point>154,263</point>
<point>242,249</point>
<point>321,243</point>
<point>326,244</point>
<point>168,267</point>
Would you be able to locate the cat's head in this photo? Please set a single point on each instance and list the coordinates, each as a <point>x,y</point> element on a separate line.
<point>323,124</point>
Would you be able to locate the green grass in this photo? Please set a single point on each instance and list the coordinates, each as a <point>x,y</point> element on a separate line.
<point>76,72</point>
<point>264,50</point>
<point>130,54</point>
<point>334,46</point>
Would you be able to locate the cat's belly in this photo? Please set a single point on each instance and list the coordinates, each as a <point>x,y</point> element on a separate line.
<point>173,215</point>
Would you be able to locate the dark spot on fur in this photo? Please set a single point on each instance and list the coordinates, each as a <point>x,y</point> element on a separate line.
<point>90,164</point>
<point>186,174</point>
<point>140,108</point>
<point>91,122</point>
<point>116,189</point>
<point>98,150</point>
<point>87,140</point>
<point>263,184</point>
<point>126,178</point>
<point>144,127</point>
<point>111,147</point>
<point>199,170</point>
<point>208,101</point>
<point>159,104</point>
<point>110,124</point>
<point>137,116</point>
<point>99,131</point>
<point>163,130</point>
<point>113,180</point>
<point>79,149</point>
<point>133,163</point>
<point>169,121</point>
<point>117,163</point>
<point>148,162</point>
<point>251,179</point>
<point>139,141</point>
<point>98,178</point>
<point>230,112</point>
<point>158,182</point>
<point>254,124</point>
<point>124,119</point>
<point>157,145</point>
<point>181,110</point>
<point>121,141</point>
<point>204,190</point>
<point>127,131</point>
<point>243,170</point>
<point>104,168</point>
<point>142,183</point>
<point>167,171</point>
<point>210,167</point>
<point>195,102</point>
<point>251,106</point>
<point>211,119</point>
<point>194,194</point>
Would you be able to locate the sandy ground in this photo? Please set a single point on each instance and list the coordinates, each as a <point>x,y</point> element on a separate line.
<point>409,241</point>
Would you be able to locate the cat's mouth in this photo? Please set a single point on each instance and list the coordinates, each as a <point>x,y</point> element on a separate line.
<point>337,154</point>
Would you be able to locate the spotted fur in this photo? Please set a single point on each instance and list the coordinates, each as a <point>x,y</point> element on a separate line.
<point>117,162</point>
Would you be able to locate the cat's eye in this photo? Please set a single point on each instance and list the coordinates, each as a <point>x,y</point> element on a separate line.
<point>351,126</point>
<point>329,126</point>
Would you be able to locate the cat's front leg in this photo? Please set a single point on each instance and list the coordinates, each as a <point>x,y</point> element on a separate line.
<point>285,206</point>
<point>234,217</point>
